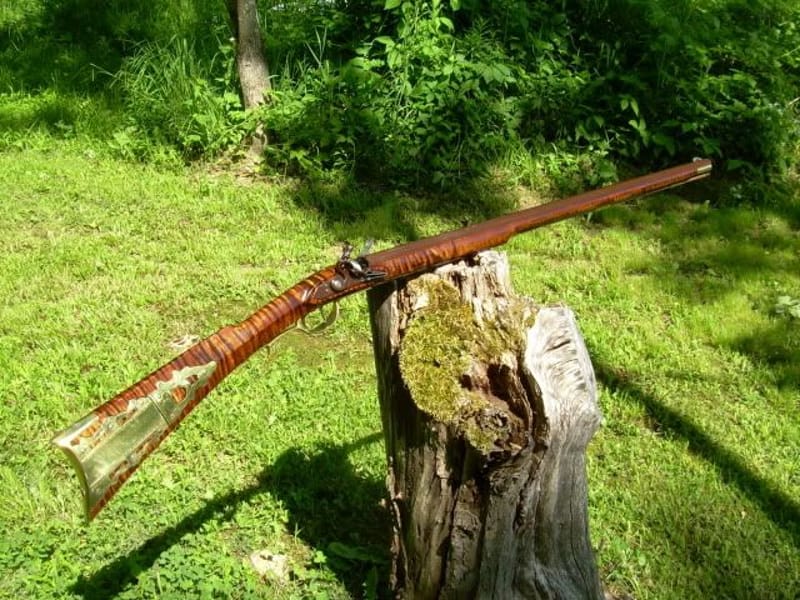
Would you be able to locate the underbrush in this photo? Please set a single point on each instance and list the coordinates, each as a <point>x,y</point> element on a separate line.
<point>173,97</point>
<point>435,93</point>
<point>430,95</point>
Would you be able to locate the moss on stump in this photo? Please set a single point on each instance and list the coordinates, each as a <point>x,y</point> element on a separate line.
<point>446,355</point>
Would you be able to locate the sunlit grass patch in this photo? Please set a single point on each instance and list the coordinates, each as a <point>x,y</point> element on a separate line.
<point>693,476</point>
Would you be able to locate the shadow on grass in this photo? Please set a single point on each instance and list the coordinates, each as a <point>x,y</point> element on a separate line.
<point>777,346</point>
<point>706,254</point>
<point>358,211</point>
<point>729,242</point>
<point>781,509</point>
<point>333,509</point>
<point>118,575</point>
<point>327,502</point>
<point>52,112</point>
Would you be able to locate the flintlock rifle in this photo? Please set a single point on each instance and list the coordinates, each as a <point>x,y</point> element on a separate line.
<point>109,444</point>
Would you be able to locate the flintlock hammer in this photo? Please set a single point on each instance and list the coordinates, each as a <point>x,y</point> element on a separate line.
<point>108,445</point>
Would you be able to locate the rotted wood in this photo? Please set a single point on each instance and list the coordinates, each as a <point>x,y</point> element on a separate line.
<point>488,487</point>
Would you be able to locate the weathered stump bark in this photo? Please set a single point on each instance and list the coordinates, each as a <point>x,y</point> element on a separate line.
<point>488,404</point>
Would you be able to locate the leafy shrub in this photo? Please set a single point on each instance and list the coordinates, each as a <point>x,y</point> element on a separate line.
<point>318,116</point>
<point>437,91</point>
<point>429,92</point>
<point>680,78</point>
<point>422,106</point>
<point>173,97</point>
<point>445,112</point>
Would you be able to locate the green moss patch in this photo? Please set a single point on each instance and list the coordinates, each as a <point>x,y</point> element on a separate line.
<point>442,346</point>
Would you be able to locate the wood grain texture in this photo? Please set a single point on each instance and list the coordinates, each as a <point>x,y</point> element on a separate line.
<point>505,523</point>
<point>228,348</point>
<point>426,254</point>
<point>231,346</point>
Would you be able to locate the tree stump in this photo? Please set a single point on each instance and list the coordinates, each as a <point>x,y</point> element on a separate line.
<point>488,403</point>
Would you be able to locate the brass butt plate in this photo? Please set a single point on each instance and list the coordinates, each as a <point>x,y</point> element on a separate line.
<point>106,448</point>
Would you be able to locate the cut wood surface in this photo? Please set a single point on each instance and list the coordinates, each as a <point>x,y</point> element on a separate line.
<point>488,403</point>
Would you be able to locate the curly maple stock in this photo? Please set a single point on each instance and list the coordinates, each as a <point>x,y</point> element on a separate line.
<point>109,444</point>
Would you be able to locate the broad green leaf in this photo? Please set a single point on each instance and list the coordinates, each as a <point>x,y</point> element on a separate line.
<point>734,164</point>
<point>446,23</point>
<point>665,141</point>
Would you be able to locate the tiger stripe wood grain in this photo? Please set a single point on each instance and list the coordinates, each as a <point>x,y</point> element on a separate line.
<point>108,445</point>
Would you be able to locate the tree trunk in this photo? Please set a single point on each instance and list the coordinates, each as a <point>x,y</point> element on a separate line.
<point>251,63</point>
<point>488,404</point>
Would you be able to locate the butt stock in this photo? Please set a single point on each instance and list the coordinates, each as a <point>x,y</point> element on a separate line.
<point>108,445</point>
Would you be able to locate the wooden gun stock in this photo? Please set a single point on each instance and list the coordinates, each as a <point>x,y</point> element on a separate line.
<point>108,444</point>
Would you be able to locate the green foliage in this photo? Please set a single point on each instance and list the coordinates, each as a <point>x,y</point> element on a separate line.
<point>675,79</point>
<point>174,97</point>
<point>443,110</point>
<point>430,93</point>
<point>788,306</point>
<point>693,476</point>
<point>445,90</point>
<point>67,43</point>
<point>48,111</point>
<point>18,17</point>
<point>422,106</point>
<point>317,117</point>
<point>123,26</point>
<point>34,120</point>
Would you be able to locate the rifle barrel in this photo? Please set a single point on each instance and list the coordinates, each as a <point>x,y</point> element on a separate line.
<point>429,253</point>
<point>108,445</point>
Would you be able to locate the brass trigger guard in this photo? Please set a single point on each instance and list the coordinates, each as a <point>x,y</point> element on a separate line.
<point>303,326</point>
<point>329,320</point>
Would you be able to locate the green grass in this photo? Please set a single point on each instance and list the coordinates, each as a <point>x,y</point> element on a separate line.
<point>694,476</point>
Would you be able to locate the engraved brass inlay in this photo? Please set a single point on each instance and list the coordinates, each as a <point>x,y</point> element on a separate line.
<point>103,449</point>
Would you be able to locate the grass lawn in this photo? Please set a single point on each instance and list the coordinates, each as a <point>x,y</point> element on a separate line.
<point>694,476</point>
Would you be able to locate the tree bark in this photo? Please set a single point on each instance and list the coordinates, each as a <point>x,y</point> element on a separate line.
<point>487,484</point>
<point>251,63</point>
